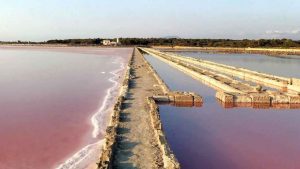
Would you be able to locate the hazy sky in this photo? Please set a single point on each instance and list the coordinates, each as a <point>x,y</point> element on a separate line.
<point>40,20</point>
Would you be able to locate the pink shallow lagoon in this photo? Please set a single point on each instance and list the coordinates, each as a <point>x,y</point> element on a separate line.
<point>55,104</point>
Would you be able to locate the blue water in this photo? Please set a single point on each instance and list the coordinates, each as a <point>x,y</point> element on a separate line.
<point>289,67</point>
<point>212,137</point>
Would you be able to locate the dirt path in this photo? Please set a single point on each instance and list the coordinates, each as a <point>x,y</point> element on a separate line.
<point>137,146</point>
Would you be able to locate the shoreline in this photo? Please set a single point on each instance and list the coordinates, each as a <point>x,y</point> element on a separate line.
<point>110,95</point>
<point>110,136</point>
<point>99,122</point>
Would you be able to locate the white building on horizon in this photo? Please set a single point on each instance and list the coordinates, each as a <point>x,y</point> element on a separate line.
<point>107,42</point>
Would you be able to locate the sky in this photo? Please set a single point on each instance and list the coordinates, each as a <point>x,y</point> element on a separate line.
<point>40,20</point>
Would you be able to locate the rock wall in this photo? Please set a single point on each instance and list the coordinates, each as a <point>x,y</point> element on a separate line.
<point>169,159</point>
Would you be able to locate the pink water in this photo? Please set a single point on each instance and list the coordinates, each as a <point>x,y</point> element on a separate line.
<point>47,99</point>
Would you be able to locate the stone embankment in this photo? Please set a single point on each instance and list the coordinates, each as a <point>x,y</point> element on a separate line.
<point>179,99</point>
<point>135,138</point>
<point>173,97</point>
<point>272,81</point>
<point>169,159</point>
<point>266,51</point>
<point>230,90</point>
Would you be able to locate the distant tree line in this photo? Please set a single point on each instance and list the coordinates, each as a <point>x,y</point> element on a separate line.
<point>82,42</point>
<point>264,43</point>
<point>96,41</point>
